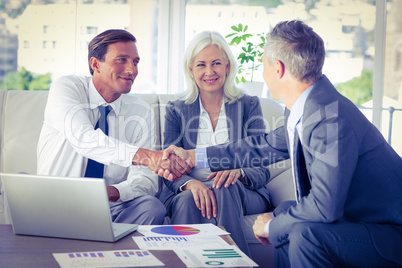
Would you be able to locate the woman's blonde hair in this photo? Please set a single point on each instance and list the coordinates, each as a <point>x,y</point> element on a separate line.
<point>199,42</point>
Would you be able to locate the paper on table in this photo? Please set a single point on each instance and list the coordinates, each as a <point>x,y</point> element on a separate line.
<point>170,242</point>
<point>117,258</point>
<point>230,256</point>
<point>181,230</point>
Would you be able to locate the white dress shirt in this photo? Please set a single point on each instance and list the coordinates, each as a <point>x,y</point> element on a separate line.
<point>68,137</point>
<point>206,136</point>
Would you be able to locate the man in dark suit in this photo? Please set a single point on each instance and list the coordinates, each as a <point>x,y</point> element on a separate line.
<point>348,180</point>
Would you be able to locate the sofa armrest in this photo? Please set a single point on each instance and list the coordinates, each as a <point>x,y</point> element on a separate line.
<point>281,186</point>
<point>2,216</point>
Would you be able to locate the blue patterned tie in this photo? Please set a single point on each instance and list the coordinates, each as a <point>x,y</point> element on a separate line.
<point>95,169</point>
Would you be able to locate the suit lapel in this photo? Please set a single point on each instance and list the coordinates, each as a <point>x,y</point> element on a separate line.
<point>234,120</point>
<point>302,180</point>
<point>192,120</point>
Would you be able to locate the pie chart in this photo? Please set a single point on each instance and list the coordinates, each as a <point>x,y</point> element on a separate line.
<point>175,230</point>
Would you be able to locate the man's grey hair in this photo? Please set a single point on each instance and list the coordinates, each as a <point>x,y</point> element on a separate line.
<point>299,48</point>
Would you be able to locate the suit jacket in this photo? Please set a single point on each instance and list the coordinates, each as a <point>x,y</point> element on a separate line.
<point>244,118</point>
<point>354,173</point>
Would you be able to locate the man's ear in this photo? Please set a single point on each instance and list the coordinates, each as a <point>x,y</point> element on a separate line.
<point>280,68</point>
<point>94,63</point>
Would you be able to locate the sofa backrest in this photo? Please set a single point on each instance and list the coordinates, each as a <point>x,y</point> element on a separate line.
<point>21,119</point>
<point>272,111</point>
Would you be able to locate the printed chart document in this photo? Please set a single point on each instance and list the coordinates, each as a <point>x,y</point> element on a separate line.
<point>174,242</point>
<point>181,230</point>
<point>118,258</point>
<point>230,256</point>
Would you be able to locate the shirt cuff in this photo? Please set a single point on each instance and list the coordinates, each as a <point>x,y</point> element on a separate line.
<point>242,178</point>
<point>201,158</point>
<point>184,184</point>
<point>266,228</point>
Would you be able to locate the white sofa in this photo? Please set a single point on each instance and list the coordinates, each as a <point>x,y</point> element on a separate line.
<point>21,116</point>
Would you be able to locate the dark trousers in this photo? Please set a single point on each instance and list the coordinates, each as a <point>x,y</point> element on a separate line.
<point>339,244</point>
<point>233,204</point>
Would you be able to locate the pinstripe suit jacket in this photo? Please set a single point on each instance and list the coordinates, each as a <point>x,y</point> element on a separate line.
<point>354,173</point>
<point>244,118</point>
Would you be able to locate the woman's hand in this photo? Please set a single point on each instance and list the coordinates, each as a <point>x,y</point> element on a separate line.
<point>204,198</point>
<point>230,176</point>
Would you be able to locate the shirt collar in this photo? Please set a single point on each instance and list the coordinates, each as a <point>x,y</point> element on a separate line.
<point>96,99</point>
<point>297,109</point>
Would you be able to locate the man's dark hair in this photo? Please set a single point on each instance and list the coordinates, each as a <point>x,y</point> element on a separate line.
<point>99,44</point>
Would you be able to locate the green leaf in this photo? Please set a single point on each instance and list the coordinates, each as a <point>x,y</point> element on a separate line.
<point>245,36</point>
<point>229,35</point>
<point>245,28</point>
<point>240,27</point>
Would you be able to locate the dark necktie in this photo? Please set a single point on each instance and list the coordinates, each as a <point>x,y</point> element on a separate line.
<point>95,169</point>
<point>302,178</point>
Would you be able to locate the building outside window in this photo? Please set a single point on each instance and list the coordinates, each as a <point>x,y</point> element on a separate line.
<point>93,30</point>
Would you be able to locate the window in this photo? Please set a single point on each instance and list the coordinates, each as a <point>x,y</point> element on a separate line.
<point>52,36</point>
<point>92,30</point>
<point>391,104</point>
<point>347,28</point>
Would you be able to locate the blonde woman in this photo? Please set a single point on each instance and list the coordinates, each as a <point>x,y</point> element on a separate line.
<point>213,111</point>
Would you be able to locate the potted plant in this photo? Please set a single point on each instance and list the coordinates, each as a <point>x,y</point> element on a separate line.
<point>251,53</point>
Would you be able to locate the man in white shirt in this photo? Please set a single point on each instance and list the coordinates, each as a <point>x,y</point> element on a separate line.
<point>75,141</point>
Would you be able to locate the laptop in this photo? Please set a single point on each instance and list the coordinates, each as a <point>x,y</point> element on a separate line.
<point>64,207</point>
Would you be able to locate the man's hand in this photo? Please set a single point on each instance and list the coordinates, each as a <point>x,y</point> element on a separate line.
<point>112,193</point>
<point>154,160</point>
<point>187,156</point>
<point>204,198</point>
<point>259,226</point>
<point>230,176</point>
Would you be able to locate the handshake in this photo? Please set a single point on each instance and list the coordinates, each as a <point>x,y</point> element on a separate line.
<point>170,163</point>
